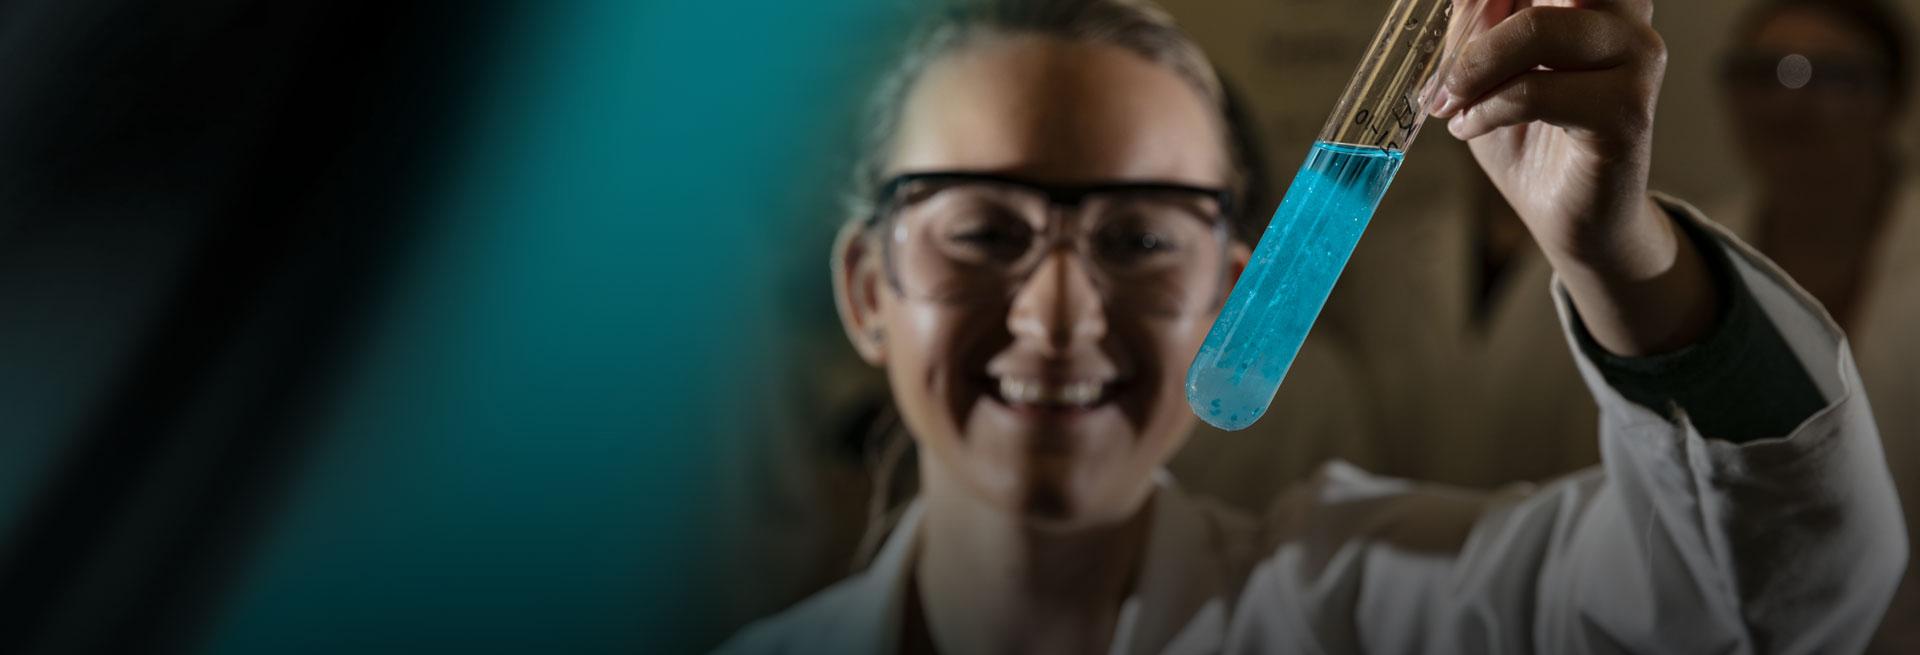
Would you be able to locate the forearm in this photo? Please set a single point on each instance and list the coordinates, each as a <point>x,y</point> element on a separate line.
<point>1740,381</point>
<point>1640,285</point>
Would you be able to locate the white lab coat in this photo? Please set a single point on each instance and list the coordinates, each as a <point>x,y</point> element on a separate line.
<point>1677,544</point>
<point>1886,343</point>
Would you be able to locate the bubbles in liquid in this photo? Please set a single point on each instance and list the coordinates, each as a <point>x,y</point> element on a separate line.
<point>1274,304</point>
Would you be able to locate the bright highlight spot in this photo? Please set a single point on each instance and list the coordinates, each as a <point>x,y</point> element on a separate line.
<point>1795,71</point>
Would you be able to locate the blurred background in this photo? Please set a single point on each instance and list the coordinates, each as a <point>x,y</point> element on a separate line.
<point>506,327</point>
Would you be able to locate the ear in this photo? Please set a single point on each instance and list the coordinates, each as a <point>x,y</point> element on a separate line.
<point>858,278</point>
<point>1238,255</point>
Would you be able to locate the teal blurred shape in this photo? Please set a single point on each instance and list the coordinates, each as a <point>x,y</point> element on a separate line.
<point>517,460</point>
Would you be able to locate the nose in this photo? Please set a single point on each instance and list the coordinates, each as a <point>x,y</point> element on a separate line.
<point>1058,307</point>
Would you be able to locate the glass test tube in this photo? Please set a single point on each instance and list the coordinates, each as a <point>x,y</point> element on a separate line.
<point>1278,296</point>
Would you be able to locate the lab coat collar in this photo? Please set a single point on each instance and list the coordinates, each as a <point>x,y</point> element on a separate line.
<point>871,623</point>
<point>1179,605</point>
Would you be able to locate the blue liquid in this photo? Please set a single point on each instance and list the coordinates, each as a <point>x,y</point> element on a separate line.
<point>1260,329</point>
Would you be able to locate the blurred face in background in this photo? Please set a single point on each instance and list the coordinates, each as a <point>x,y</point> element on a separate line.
<point>1810,95</point>
<point>1038,350</point>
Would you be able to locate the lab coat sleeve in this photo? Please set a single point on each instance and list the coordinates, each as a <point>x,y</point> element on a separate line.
<point>1690,544</point>
<point>1678,543</point>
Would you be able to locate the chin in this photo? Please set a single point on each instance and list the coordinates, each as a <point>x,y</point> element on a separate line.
<point>1057,497</point>
<point>1057,465</point>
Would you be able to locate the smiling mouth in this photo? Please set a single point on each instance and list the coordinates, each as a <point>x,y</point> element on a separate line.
<point>1040,394</point>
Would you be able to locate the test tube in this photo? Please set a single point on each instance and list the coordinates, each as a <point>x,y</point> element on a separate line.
<point>1313,233</point>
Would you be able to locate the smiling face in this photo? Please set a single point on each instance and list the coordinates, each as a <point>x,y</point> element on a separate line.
<point>1052,403</point>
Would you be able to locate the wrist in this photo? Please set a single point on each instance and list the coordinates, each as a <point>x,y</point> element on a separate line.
<point>1639,244</point>
<point>1641,285</point>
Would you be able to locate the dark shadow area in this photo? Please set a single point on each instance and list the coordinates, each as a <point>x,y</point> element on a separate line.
<point>258,168</point>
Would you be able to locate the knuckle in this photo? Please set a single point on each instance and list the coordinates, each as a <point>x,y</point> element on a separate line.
<point>1635,116</point>
<point>1654,46</point>
<point>1530,23</point>
<point>1475,61</point>
<point>1465,70</point>
<point>1518,102</point>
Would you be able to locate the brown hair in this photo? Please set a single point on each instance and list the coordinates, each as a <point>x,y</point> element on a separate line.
<point>1137,26</point>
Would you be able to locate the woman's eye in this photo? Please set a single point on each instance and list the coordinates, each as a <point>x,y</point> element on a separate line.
<point>999,240</point>
<point>1136,244</point>
<point>983,236</point>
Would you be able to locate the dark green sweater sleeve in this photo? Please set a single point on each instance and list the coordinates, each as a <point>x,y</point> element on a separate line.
<point>1741,383</point>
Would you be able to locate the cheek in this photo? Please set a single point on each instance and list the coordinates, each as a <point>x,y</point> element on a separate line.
<point>1173,343</point>
<point>1187,342</point>
<point>918,347</point>
<point>932,356</point>
<point>1180,337</point>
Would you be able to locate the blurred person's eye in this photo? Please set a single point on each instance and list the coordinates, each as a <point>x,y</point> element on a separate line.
<point>1846,76</point>
<point>1150,233</point>
<point>1133,238</point>
<point>983,232</point>
<point>1753,70</point>
<point>1763,70</point>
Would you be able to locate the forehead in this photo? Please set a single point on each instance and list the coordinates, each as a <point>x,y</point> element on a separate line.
<point>1808,30</point>
<point>1058,111</point>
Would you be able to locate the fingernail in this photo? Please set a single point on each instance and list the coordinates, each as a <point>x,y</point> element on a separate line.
<point>1448,103</point>
<point>1455,124</point>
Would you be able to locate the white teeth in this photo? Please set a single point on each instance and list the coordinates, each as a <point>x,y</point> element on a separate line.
<point>1081,393</point>
<point>1032,392</point>
<point>1017,391</point>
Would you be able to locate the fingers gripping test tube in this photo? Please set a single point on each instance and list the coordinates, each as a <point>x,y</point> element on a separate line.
<point>1278,296</point>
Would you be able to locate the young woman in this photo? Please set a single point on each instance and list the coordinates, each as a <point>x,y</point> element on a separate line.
<point>1047,247</point>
